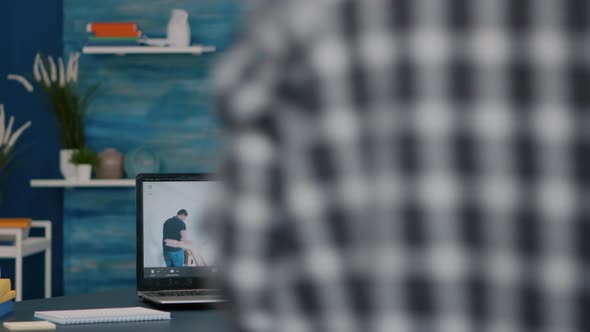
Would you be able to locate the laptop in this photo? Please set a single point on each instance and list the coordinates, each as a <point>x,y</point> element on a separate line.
<point>176,261</point>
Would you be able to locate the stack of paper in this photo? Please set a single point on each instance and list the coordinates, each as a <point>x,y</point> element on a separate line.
<point>105,315</point>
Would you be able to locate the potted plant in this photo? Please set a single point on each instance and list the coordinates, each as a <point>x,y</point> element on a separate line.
<point>84,159</point>
<point>59,82</point>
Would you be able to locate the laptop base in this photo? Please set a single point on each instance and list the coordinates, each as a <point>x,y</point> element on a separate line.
<point>175,299</point>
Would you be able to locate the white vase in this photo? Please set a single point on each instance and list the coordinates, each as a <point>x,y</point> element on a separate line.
<point>84,171</point>
<point>68,170</point>
<point>178,31</point>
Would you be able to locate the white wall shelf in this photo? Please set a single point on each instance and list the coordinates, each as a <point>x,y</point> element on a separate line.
<point>122,50</point>
<point>105,183</point>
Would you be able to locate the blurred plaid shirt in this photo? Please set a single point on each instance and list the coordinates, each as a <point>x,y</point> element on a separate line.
<point>408,165</point>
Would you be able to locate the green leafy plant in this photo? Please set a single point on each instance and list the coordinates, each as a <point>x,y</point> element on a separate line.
<point>59,82</point>
<point>85,155</point>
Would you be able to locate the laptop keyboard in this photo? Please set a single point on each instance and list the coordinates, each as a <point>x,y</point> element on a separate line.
<point>188,292</point>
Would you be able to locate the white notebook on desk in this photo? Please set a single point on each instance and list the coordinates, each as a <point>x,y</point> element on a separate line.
<point>105,315</point>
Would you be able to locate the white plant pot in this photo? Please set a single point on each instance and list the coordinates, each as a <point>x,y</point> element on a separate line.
<point>68,170</point>
<point>84,171</point>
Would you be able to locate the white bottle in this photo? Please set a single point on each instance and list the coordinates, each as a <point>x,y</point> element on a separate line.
<point>178,32</point>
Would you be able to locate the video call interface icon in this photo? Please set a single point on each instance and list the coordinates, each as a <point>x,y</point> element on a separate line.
<point>163,272</point>
<point>176,272</point>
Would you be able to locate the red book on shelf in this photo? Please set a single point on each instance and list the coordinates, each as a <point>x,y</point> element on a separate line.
<point>122,26</point>
<point>117,33</point>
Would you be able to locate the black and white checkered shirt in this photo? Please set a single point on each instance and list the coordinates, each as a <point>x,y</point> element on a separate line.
<point>408,165</point>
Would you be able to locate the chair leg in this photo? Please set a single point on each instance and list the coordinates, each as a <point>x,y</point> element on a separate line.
<point>48,273</point>
<point>18,262</point>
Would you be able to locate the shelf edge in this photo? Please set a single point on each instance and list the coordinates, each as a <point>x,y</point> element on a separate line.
<point>122,50</point>
<point>94,183</point>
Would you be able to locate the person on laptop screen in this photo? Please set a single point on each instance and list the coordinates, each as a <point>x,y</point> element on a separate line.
<point>175,242</point>
<point>174,229</point>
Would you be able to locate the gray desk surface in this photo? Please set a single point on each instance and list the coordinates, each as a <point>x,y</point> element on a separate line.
<point>197,318</point>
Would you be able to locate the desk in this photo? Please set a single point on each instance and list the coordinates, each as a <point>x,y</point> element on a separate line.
<point>196,318</point>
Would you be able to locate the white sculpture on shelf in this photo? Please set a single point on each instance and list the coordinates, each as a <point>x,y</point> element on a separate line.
<point>178,32</point>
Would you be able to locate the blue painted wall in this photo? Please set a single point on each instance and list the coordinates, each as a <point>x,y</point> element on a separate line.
<point>159,100</point>
<point>29,26</point>
<point>162,101</point>
<point>99,244</point>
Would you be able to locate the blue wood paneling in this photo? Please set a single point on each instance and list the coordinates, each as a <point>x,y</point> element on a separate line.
<point>159,100</point>
<point>99,239</point>
<point>162,101</point>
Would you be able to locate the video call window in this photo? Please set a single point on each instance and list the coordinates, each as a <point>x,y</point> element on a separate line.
<point>173,217</point>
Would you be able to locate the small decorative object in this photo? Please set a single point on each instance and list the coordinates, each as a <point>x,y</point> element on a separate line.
<point>178,32</point>
<point>8,139</point>
<point>110,164</point>
<point>84,159</point>
<point>59,82</point>
<point>141,160</point>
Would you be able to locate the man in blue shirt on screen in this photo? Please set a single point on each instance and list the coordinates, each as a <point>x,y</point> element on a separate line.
<point>174,229</point>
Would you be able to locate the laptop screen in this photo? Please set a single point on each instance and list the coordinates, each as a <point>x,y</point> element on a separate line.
<point>173,215</point>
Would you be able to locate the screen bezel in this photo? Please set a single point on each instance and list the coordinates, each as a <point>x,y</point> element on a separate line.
<point>165,283</point>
